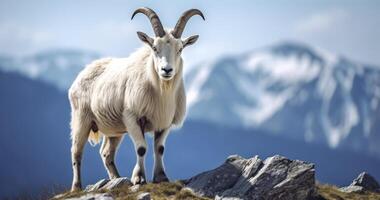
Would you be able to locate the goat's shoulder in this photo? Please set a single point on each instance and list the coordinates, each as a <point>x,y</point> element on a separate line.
<point>85,79</point>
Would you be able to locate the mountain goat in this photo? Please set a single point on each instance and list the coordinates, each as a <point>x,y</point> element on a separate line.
<point>141,93</point>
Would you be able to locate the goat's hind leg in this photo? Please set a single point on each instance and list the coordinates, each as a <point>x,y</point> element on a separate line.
<point>107,152</point>
<point>80,129</point>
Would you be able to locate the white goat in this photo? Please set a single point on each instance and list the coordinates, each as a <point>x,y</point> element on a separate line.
<point>138,94</point>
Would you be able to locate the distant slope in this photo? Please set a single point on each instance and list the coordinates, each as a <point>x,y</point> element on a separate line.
<point>35,138</point>
<point>323,97</point>
<point>34,134</point>
<point>57,67</point>
<point>35,143</point>
<point>293,90</point>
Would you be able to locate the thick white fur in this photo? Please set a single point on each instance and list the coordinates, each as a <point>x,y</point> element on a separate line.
<point>111,95</point>
<point>110,90</point>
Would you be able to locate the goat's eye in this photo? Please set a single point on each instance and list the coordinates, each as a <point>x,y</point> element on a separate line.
<point>180,50</point>
<point>155,49</point>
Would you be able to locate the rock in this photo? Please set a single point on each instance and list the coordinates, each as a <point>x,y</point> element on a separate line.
<point>108,184</point>
<point>135,188</point>
<point>353,188</point>
<point>143,196</point>
<point>92,196</point>
<point>117,182</point>
<point>216,181</point>
<point>275,178</point>
<point>364,182</point>
<point>97,185</point>
<point>103,184</point>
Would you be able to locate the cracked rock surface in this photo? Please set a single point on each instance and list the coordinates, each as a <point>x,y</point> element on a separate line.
<point>276,177</point>
<point>108,184</point>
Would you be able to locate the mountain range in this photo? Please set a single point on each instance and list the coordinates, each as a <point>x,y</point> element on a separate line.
<point>58,67</point>
<point>287,99</point>
<point>293,90</point>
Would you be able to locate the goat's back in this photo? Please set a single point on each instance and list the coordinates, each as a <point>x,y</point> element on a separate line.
<point>81,90</point>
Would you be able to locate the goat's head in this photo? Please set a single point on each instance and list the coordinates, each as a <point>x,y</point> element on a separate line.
<point>167,46</point>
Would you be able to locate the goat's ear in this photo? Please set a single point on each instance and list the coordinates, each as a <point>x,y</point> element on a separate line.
<point>145,38</point>
<point>190,40</point>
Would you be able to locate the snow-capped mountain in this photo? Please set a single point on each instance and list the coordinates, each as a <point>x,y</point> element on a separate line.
<point>289,89</point>
<point>56,66</point>
<point>293,90</point>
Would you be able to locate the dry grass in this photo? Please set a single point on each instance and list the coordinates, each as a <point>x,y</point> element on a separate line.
<point>162,191</point>
<point>68,194</point>
<point>331,192</point>
<point>176,191</point>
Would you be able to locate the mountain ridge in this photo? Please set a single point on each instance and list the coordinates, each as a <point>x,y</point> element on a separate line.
<point>35,143</point>
<point>326,97</point>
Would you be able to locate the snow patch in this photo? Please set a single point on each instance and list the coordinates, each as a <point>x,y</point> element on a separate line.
<point>267,105</point>
<point>194,90</point>
<point>326,84</point>
<point>287,69</point>
<point>62,63</point>
<point>335,134</point>
<point>33,70</point>
<point>330,58</point>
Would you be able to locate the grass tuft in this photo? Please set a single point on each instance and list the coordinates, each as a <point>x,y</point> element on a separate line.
<point>162,191</point>
<point>332,192</point>
<point>177,191</point>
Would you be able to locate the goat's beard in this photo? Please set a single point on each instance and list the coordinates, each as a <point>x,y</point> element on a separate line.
<point>166,85</point>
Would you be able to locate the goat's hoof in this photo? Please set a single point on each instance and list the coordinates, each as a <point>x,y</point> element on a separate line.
<point>76,187</point>
<point>138,180</point>
<point>160,177</point>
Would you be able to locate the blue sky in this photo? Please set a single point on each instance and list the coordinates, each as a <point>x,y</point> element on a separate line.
<point>350,28</point>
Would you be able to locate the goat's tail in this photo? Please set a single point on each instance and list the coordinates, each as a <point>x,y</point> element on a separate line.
<point>95,137</point>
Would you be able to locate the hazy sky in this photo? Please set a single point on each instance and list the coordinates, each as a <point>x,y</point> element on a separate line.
<point>350,28</point>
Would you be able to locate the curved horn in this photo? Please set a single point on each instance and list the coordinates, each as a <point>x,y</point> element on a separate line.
<point>154,20</point>
<point>180,26</point>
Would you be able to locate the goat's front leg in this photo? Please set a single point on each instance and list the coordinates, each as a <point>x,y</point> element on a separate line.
<point>136,132</point>
<point>159,174</point>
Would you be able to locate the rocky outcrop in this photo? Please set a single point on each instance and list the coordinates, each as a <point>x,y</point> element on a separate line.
<point>274,178</point>
<point>364,182</point>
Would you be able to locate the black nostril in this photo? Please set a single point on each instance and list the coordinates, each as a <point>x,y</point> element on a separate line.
<point>167,70</point>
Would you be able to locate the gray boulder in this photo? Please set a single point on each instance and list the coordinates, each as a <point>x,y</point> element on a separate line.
<point>96,186</point>
<point>274,178</point>
<point>102,184</point>
<point>364,182</point>
<point>108,184</point>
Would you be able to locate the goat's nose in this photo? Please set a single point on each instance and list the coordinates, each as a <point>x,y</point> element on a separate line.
<point>167,70</point>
